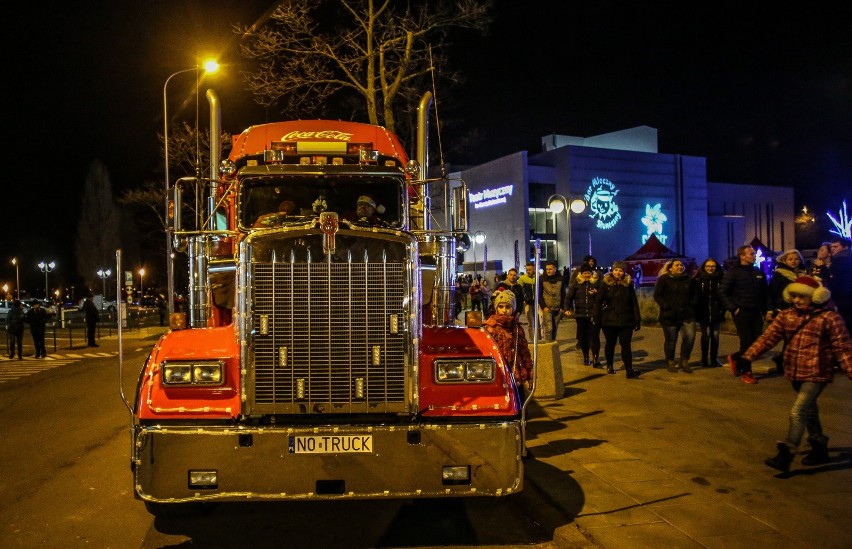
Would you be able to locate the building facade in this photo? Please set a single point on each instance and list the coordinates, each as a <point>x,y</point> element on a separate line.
<point>630,191</point>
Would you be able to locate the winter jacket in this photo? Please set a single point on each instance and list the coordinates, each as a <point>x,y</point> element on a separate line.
<point>708,307</point>
<point>91,312</point>
<point>550,291</point>
<point>744,287</point>
<point>37,319</point>
<point>15,320</point>
<point>509,337</point>
<point>782,276</point>
<point>528,284</point>
<point>840,282</point>
<point>616,305</point>
<point>812,352</point>
<point>581,295</point>
<point>677,296</point>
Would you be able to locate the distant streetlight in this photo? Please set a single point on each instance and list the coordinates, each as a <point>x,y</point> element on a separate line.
<point>46,267</point>
<point>17,277</point>
<point>5,290</point>
<point>103,274</point>
<point>210,66</point>
<point>556,204</point>
<point>478,238</point>
<point>141,284</point>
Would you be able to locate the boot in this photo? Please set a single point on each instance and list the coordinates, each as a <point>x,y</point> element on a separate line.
<point>632,373</point>
<point>586,361</point>
<point>610,369</point>
<point>596,362</point>
<point>819,451</point>
<point>672,366</point>
<point>782,460</point>
<point>684,365</point>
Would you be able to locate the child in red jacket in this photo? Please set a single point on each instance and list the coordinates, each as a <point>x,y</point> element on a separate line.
<point>505,329</point>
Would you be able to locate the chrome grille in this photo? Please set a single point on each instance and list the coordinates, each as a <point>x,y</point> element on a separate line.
<point>328,335</point>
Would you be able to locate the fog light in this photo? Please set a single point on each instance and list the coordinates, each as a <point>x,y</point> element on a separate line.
<point>455,474</point>
<point>204,479</point>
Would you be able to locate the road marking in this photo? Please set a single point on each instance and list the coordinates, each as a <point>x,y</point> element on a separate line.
<point>12,368</point>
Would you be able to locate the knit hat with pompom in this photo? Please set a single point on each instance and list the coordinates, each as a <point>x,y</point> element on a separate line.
<point>809,286</point>
<point>506,296</point>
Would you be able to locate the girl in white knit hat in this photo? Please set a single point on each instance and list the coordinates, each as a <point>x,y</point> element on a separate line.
<point>815,340</point>
<point>505,329</point>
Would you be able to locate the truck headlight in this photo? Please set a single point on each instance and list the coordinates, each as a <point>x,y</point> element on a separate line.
<point>472,370</point>
<point>193,373</point>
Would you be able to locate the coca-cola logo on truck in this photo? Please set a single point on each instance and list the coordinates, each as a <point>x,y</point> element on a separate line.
<point>322,134</point>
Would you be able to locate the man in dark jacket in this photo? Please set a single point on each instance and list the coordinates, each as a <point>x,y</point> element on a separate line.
<point>840,278</point>
<point>744,292</point>
<point>37,319</point>
<point>15,329</point>
<point>92,318</point>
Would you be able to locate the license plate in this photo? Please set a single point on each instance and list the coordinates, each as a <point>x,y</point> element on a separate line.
<point>331,444</point>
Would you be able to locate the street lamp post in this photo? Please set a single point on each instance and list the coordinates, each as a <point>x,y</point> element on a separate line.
<point>103,274</point>
<point>17,277</point>
<point>46,267</point>
<point>478,238</point>
<point>141,284</point>
<point>210,66</point>
<point>556,203</point>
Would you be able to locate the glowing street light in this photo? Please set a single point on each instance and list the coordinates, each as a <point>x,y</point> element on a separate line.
<point>556,204</point>
<point>210,66</point>
<point>45,267</point>
<point>478,238</point>
<point>5,290</point>
<point>141,284</point>
<point>103,274</point>
<point>17,277</point>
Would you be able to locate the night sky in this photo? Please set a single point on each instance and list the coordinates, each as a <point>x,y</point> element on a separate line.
<point>764,93</point>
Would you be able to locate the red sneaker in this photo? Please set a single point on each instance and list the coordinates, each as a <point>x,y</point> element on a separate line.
<point>733,365</point>
<point>749,378</point>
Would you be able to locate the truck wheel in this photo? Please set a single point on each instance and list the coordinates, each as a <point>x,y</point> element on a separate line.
<point>179,510</point>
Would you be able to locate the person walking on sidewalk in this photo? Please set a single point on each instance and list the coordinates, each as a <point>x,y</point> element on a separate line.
<point>92,318</point>
<point>505,329</point>
<point>550,299</point>
<point>616,311</point>
<point>815,339</point>
<point>676,294</point>
<point>37,319</point>
<point>709,311</point>
<point>15,329</point>
<point>744,292</point>
<point>579,302</point>
<point>527,282</point>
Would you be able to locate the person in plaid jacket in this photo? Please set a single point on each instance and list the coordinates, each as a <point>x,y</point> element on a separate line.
<point>815,340</point>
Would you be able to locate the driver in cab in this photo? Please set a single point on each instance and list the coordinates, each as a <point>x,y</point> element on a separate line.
<point>366,211</point>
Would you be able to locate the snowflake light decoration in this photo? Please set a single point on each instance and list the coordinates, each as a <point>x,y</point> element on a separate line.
<point>653,221</point>
<point>842,223</point>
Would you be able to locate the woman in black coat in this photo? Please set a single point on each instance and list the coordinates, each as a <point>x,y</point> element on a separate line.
<point>580,301</point>
<point>676,295</point>
<point>616,311</point>
<point>709,311</point>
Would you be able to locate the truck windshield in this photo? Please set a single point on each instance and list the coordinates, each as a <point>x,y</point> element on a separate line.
<point>273,200</point>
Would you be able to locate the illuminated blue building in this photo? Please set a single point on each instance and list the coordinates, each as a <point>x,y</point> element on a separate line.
<point>631,191</point>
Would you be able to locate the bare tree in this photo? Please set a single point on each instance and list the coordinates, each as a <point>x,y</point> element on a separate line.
<point>379,52</point>
<point>98,231</point>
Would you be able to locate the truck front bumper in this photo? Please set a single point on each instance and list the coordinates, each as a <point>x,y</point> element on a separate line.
<point>191,463</point>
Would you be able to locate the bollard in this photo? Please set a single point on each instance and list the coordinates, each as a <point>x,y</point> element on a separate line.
<point>548,376</point>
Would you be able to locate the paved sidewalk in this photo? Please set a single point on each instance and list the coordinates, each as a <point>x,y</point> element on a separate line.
<point>676,459</point>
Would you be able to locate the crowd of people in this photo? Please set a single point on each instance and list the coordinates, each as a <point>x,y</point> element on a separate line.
<point>807,307</point>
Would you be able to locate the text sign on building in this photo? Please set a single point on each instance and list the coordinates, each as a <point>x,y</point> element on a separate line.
<point>490,197</point>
